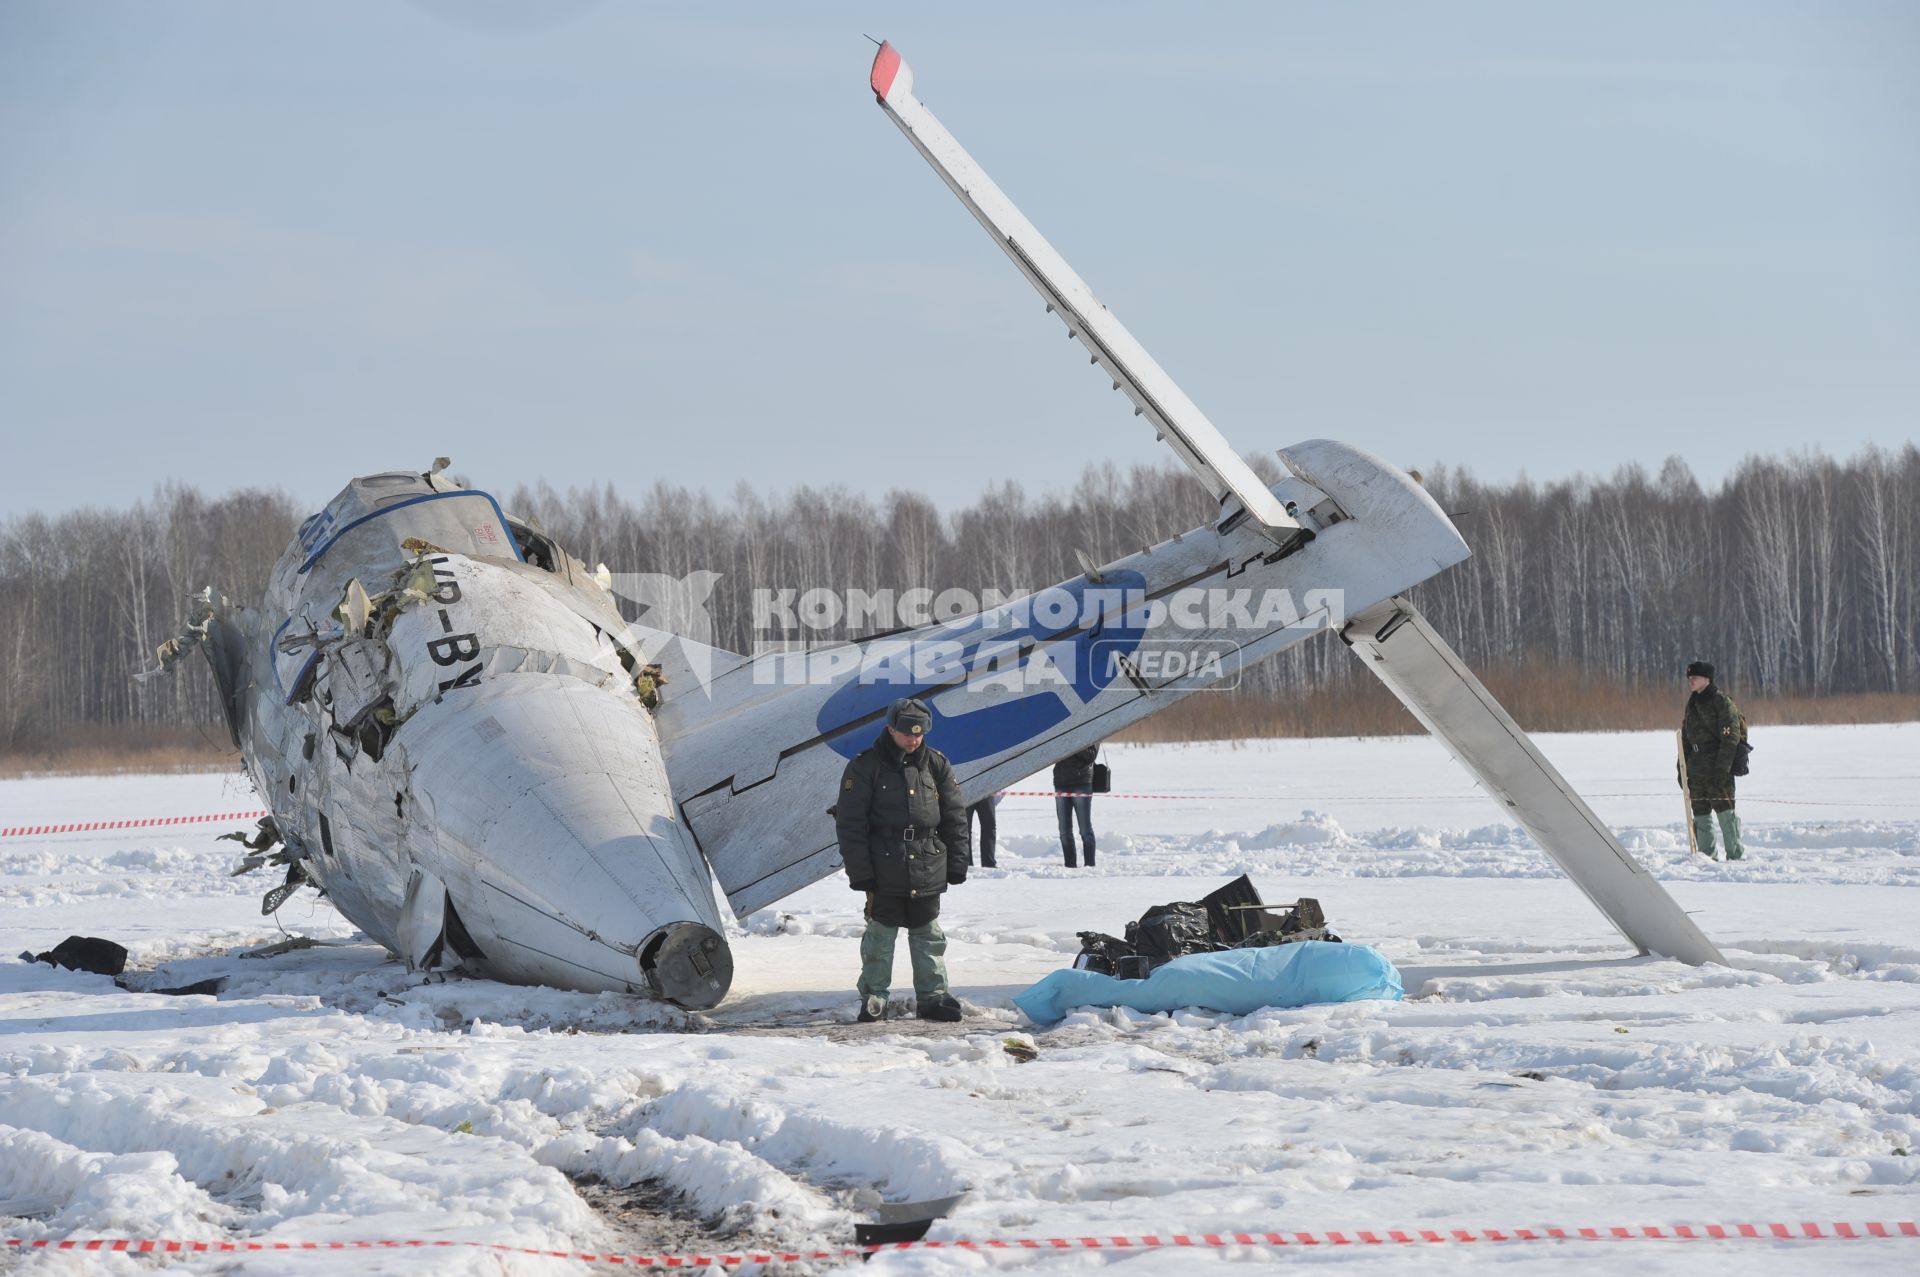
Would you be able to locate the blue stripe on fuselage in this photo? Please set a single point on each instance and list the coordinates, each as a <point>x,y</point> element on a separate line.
<point>943,659</point>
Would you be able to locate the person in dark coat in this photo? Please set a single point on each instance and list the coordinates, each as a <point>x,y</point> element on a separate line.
<point>1073,800</point>
<point>1710,735</point>
<point>903,840</point>
<point>989,819</point>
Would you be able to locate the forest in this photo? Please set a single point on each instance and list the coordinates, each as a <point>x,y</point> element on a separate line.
<point>1797,576</point>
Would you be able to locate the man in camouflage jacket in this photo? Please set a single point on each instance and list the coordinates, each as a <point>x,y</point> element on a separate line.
<point>904,840</point>
<point>1710,735</point>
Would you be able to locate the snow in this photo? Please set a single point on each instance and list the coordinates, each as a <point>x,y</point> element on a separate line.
<point>1537,1074</point>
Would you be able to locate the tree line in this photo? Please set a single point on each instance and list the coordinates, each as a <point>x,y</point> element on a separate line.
<point>1796,575</point>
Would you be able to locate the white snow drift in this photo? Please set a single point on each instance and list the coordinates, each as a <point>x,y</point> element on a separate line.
<point>1537,1074</point>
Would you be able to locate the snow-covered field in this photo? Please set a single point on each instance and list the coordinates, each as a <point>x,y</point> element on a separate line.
<point>1535,1075</point>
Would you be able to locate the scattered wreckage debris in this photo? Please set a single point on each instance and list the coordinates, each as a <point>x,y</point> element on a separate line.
<point>103,957</point>
<point>260,852</point>
<point>1020,1049</point>
<point>278,947</point>
<point>208,988</point>
<point>1234,917</point>
<point>904,1221</point>
<point>84,953</point>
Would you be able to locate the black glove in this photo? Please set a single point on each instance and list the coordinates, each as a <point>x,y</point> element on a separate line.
<point>955,879</point>
<point>865,884</point>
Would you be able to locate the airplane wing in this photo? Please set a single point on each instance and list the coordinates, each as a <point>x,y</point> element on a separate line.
<point>1155,395</point>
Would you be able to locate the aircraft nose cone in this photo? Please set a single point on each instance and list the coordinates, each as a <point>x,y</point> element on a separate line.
<point>688,964</point>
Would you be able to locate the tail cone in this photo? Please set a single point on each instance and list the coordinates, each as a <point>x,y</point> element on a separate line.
<point>688,964</point>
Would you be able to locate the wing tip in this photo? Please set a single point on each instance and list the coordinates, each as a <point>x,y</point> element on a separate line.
<point>887,68</point>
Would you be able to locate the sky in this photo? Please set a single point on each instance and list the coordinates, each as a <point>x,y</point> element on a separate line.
<point>281,244</point>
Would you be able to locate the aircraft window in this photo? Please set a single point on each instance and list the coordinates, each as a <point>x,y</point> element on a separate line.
<point>536,548</point>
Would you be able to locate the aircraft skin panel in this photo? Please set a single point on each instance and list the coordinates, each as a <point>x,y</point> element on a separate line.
<point>565,830</point>
<point>423,920</point>
<point>365,528</point>
<point>1394,641</point>
<point>1154,393</point>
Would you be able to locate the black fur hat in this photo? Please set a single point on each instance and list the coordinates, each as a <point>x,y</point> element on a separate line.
<point>910,717</point>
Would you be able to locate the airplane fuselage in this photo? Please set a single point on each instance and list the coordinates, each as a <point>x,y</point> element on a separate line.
<point>462,759</point>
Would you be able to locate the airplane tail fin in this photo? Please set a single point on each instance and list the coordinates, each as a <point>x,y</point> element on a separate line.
<point>1176,419</point>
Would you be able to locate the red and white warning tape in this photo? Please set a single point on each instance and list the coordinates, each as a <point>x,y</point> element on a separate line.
<point>1071,793</point>
<point>21,831</point>
<point>153,822</point>
<point>1842,1231</point>
<point>1417,798</point>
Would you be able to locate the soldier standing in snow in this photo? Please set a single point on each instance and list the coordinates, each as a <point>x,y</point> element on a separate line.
<point>1710,735</point>
<point>903,839</point>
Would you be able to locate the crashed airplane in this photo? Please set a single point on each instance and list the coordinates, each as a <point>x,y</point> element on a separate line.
<point>483,765</point>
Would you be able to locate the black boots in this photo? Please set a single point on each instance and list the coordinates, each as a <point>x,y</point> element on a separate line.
<point>944,1009</point>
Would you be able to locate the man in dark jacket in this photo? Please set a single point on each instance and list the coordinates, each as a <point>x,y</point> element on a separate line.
<point>1073,799</point>
<point>903,839</point>
<point>1710,736</point>
<point>987,811</point>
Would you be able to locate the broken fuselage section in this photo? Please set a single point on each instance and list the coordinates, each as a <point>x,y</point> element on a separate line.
<point>449,719</point>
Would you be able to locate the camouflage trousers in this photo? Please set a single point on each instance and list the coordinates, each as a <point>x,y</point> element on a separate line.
<point>1705,813</point>
<point>927,949</point>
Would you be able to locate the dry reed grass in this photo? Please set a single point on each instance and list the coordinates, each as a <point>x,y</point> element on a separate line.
<point>1540,700</point>
<point>1543,700</point>
<point>102,751</point>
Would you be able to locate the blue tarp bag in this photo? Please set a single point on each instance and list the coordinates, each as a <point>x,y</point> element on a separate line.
<point>1237,981</point>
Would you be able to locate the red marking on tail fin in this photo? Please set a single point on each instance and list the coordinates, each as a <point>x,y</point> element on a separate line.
<point>886,65</point>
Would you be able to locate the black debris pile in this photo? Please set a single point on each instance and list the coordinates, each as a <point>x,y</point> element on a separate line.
<point>1234,917</point>
<point>1167,931</point>
<point>84,953</point>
